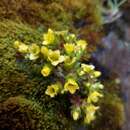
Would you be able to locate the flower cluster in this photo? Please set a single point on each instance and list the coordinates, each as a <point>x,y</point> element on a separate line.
<point>60,54</point>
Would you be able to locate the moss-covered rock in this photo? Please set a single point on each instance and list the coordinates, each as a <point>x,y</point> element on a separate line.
<point>15,80</point>
<point>12,80</point>
<point>87,19</point>
<point>111,116</point>
<point>82,17</point>
<point>18,113</point>
<point>35,13</point>
<point>15,16</point>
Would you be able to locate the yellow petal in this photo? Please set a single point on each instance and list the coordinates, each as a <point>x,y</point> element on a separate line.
<point>34,49</point>
<point>53,89</point>
<point>94,97</point>
<point>32,56</point>
<point>49,37</point>
<point>69,62</point>
<point>46,70</point>
<point>16,44</point>
<point>55,58</point>
<point>87,68</point>
<point>90,113</point>
<point>71,86</point>
<point>96,74</point>
<point>44,51</point>
<point>23,48</point>
<point>50,91</point>
<point>69,48</point>
<point>81,44</point>
<point>75,115</point>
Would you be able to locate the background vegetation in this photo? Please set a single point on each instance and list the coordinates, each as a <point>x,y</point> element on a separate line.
<point>26,20</point>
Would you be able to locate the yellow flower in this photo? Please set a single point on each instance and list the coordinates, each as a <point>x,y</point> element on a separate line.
<point>71,37</point>
<point>49,37</point>
<point>23,48</point>
<point>96,74</point>
<point>75,114</point>
<point>90,113</point>
<point>46,70</point>
<point>94,97</point>
<point>81,44</point>
<point>34,51</point>
<point>69,62</point>
<point>86,69</point>
<point>17,44</point>
<point>87,85</point>
<point>53,89</point>
<point>32,56</point>
<point>44,51</point>
<point>69,48</point>
<point>55,58</point>
<point>71,86</point>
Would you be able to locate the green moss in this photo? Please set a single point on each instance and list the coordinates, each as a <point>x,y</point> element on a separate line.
<point>40,11</point>
<point>34,13</point>
<point>12,80</point>
<point>26,20</point>
<point>112,86</point>
<point>111,115</point>
<point>86,15</point>
<point>87,9</point>
<point>15,81</point>
<point>20,113</point>
<point>57,14</point>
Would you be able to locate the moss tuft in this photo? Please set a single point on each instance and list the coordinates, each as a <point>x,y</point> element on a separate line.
<point>111,114</point>
<point>21,113</point>
<point>82,17</point>
<point>12,80</point>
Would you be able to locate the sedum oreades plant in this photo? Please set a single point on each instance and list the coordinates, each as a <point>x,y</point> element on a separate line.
<point>60,54</point>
